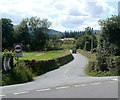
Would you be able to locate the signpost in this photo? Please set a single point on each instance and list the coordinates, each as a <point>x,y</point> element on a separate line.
<point>18,50</point>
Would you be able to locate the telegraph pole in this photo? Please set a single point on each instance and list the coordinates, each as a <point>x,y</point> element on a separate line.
<point>92,45</point>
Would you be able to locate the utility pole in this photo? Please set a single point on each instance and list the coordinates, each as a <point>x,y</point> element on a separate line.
<point>92,41</point>
<point>92,45</point>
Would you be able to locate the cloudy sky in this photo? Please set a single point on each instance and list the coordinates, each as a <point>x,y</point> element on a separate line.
<point>64,14</point>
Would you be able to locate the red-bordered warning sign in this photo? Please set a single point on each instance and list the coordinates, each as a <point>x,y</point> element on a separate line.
<point>18,48</point>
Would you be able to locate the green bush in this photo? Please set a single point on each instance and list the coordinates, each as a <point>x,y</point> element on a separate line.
<point>19,74</point>
<point>113,64</point>
<point>111,67</point>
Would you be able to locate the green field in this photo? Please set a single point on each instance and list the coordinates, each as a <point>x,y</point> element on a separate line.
<point>43,55</point>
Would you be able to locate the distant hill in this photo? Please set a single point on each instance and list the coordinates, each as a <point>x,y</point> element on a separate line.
<point>49,31</point>
<point>52,31</point>
<point>96,31</point>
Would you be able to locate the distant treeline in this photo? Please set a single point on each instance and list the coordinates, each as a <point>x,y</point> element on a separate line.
<point>77,34</point>
<point>33,34</point>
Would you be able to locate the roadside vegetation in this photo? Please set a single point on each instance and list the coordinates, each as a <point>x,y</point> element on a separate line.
<point>19,74</point>
<point>107,62</point>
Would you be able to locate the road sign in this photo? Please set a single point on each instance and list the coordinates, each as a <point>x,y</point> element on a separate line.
<point>18,50</point>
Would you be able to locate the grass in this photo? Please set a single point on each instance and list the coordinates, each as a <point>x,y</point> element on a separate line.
<point>88,54</point>
<point>43,55</point>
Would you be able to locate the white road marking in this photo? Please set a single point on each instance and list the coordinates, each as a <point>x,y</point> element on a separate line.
<point>115,79</point>
<point>43,90</point>
<point>63,87</point>
<point>79,85</point>
<point>95,83</point>
<point>20,93</point>
<point>2,95</point>
<point>111,82</point>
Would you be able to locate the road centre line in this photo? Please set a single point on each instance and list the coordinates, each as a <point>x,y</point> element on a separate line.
<point>62,87</point>
<point>115,79</point>
<point>43,90</point>
<point>21,92</point>
<point>95,83</point>
<point>79,85</point>
<point>111,81</point>
<point>2,95</point>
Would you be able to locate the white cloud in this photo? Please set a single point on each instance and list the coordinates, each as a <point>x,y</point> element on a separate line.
<point>64,14</point>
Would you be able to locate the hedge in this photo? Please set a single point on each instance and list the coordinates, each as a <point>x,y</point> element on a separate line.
<point>43,66</point>
<point>113,64</point>
<point>111,67</point>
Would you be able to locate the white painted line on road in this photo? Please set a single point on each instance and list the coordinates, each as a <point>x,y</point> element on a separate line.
<point>95,83</point>
<point>43,90</point>
<point>64,87</point>
<point>2,95</point>
<point>115,79</point>
<point>20,93</point>
<point>111,82</point>
<point>79,85</point>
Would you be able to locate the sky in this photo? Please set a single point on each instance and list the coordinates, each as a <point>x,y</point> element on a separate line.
<point>64,15</point>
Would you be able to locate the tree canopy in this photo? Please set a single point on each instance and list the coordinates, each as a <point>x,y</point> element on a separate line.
<point>7,33</point>
<point>111,33</point>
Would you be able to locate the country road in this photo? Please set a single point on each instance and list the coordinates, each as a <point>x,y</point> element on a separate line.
<point>69,81</point>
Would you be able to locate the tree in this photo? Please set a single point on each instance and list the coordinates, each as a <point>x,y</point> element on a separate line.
<point>89,30</point>
<point>32,33</point>
<point>54,42</point>
<point>7,33</point>
<point>108,43</point>
<point>111,32</point>
<point>21,33</point>
<point>38,30</point>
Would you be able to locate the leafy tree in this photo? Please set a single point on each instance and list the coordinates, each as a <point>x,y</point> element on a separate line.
<point>54,42</point>
<point>84,42</point>
<point>7,33</point>
<point>109,42</point>
<point>21,33</point>
<point>89,30</point>
<point>38,30</point>
<point>32,33</point>
<point>111,32</point>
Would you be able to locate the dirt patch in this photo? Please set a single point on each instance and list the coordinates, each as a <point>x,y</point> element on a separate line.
<point>39,54</point>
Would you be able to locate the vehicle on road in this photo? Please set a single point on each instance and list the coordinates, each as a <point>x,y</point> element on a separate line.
<point>74,51</point>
